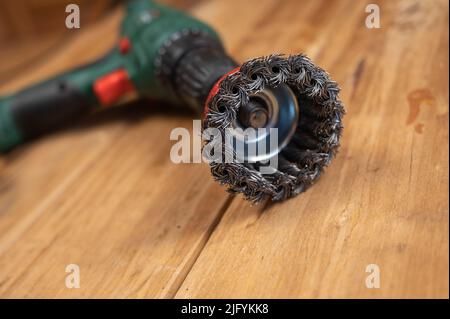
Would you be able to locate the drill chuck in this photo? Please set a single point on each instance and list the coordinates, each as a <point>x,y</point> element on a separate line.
<point>191,62</point>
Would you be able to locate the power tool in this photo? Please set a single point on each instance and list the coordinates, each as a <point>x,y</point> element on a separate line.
<point>167,55</point>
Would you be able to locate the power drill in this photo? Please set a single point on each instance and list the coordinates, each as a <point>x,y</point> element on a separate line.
<point>167,55</point>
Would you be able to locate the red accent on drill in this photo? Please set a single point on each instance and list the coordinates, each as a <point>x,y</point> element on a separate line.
<point>113,86</point>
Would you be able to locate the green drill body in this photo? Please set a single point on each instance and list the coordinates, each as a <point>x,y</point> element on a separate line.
<point>146,28</point>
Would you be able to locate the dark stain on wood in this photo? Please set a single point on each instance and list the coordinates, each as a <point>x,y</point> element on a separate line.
<point>357,74</point>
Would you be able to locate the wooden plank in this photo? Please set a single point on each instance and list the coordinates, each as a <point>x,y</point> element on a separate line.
<point>30,173</point>
<point>120,220</point>
<point>27,20</point>
<point>384,200</point>
<point>104,196</point>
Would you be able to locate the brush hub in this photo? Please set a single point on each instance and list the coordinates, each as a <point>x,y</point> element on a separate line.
<point>272,115</point>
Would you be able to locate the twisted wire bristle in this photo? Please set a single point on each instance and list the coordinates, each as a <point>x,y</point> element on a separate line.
<point>317,136</point>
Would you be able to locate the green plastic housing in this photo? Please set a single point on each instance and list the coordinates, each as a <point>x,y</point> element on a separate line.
<point>148,26</point>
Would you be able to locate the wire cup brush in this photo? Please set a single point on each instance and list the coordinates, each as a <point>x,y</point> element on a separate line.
<point>292,95</point>
<point>291,104</point>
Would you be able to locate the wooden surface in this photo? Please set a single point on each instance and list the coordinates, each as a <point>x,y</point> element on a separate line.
<point>23,20</point>
<point>105,196</point>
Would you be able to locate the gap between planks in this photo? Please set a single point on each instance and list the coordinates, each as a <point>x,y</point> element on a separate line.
<point>179,279</point>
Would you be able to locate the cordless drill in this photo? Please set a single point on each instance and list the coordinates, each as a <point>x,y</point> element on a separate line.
<point>166,55</point>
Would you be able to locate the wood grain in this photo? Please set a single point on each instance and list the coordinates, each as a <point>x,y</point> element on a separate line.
<point>384,200</point>
<point>23,20</point>
<point>104,194</point>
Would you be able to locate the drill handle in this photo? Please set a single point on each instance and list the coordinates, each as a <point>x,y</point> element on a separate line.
<point>51,104</point>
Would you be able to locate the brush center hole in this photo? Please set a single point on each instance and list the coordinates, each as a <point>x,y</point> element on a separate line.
<point>254,114</point>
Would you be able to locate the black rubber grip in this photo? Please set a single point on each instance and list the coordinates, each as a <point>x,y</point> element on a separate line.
<point>47,106</point>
